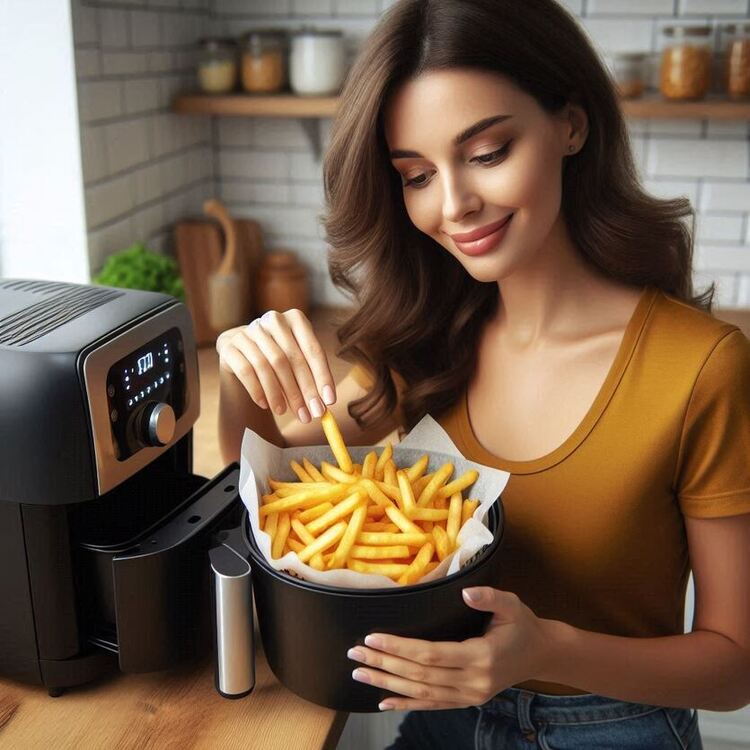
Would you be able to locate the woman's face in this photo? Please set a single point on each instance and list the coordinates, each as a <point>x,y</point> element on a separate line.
<point>476,153</point>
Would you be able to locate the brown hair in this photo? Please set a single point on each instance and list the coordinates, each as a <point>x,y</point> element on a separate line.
<point>418,313</point>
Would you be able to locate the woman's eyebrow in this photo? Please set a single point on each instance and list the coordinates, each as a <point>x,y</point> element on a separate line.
<point>463,136</point>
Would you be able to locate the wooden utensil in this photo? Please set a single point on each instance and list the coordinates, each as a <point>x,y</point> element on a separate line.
<point>199,250</point>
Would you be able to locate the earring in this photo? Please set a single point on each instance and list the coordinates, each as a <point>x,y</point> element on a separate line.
<point>571,148</point>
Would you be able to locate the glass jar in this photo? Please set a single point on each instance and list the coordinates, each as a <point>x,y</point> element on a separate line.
<point>629,72</point>
<point>264,61</point>
<point>736,52</point>
<point>217,66</point>
<point>685,62</point>
<point>317,63</point>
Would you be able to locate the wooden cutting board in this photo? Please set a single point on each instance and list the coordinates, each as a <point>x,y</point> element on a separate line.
<point>199,246</point>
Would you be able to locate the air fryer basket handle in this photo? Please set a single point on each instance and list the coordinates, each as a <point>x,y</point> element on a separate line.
<point>234,648</point>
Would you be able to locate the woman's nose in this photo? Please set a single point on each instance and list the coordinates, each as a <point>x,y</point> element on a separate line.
<point>459,199</point>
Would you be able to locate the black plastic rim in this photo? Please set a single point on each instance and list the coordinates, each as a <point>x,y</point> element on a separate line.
<point>495,513</point>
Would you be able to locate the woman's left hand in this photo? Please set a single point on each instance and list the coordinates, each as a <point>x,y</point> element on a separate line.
<point>435,675</point>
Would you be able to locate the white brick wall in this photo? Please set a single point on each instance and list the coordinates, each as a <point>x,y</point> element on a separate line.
<point>143,166</point>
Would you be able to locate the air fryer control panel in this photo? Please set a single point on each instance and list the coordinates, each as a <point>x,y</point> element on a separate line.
<point>142,391</point>
<point>140,385</point>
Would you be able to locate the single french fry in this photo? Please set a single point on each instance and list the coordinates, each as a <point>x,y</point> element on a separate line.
<point>417,569</point>
<point>337,475</point>
<point>431,566</point>
<point>378,526</point>
<point>298,487</point>
<point>468,510</point>
<point>353,529</point>
<point>429,514</point>
<point>454,518</point>
<point>389,473</point>
<point>375,493</point>
<point>333,435</point>
<point>315,512</point>
<point>324,541</point>
<point>282,532</point>
<point>368,465</point>
<point>300,472</point>
<point>380,538</point>
<point>390,490</point>
<point>294,544</point>
<point>336,513</point>
<point>460,484</point>
<point>390,570</point>
<point>369,552</point>
<point>438,479</point>
<point>312,470</point>
<point>304,499</point>
<point>267,499</point>
<point>385,454</point>
<point>402,521</point>
<point>272,521</point>
<point>418,468</point>
<point>407,496</point>
<point>442,546</point>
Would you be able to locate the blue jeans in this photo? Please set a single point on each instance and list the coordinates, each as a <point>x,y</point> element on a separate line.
<point>523,720</point>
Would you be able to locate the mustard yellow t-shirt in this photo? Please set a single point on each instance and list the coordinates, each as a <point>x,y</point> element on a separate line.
<point>594,530</point>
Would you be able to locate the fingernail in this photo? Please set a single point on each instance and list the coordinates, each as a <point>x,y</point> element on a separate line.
<point>355,654</point>
<point>316,408</point>
<point>328,396</point>
<point>473,595</point>
<point>361,676</point>
<point>385,706</point>
<point>280,409</point>
<point>303,414</point>
<point>263,403</point>
<point>374,641</point>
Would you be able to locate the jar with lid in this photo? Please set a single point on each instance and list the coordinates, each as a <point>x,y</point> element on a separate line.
<point>264,61</point>
<point>317,63</point>
<point>629,73</point>
<point>685,71</point>
<point>217,66</point>
<point>736,54</point>
<point>282,283</point>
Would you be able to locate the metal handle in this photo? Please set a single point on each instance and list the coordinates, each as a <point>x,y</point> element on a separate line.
<point>233,617</point>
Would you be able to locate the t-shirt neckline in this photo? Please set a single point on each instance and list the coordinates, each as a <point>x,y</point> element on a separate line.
<point>617,369</point>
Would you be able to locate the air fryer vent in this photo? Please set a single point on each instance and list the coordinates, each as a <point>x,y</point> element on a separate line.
<point>61,304</point>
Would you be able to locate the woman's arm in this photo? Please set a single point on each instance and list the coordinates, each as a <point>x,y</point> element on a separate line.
<point>708,668</point>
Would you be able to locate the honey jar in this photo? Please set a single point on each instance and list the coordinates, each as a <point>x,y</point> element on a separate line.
<point>685,71</point>
<point>736,54</point>
<point>263,69</point>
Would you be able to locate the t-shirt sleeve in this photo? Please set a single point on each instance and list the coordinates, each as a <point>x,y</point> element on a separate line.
<point>713,475</point>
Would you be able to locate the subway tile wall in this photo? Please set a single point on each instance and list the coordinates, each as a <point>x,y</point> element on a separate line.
<point>144,168</point>
<point>134,54</point>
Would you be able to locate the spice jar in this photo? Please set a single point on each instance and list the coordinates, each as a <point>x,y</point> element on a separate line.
<point>736,51</point>
<point>282,283</point>
<point>264,61</point>
<point>629,72</point>
<point>317,64</point>
<point>217,66</point>
<point>685,62</point>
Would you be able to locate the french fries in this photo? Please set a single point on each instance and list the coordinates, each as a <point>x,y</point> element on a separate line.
<point>372,517</point>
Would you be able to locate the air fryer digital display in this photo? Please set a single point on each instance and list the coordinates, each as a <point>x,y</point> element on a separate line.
<point>153,373</point>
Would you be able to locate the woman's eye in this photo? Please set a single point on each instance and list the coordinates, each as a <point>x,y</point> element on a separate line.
<point>417,182</point>
<point>494,155</point>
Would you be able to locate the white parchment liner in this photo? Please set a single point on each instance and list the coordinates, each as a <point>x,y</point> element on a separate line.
<point>261,460</point>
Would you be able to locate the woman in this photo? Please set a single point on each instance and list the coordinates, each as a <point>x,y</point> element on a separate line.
<point>512,279</point>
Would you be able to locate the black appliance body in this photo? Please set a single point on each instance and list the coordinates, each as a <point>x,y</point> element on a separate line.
<point>109,545</point>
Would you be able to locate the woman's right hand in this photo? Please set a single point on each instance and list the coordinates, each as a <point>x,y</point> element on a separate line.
<point>280,361</point>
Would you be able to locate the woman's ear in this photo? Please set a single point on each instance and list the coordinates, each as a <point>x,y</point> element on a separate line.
<point>576,128</point>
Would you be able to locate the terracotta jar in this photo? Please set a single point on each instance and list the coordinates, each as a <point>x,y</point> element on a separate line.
<point>282,284</point>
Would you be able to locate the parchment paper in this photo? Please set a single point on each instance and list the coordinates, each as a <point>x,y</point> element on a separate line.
<point>261,460</point>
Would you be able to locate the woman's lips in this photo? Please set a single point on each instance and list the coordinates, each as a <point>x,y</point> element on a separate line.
<point>483,244</point>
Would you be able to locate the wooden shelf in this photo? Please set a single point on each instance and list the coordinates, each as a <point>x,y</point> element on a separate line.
<point>250,105</point>
<point>288,105</point>
<point>657,108</point>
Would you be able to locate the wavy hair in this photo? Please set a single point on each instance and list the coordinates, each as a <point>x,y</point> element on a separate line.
<point>418,313</point>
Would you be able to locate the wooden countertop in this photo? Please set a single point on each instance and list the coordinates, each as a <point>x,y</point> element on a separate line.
<point>177,709</point>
